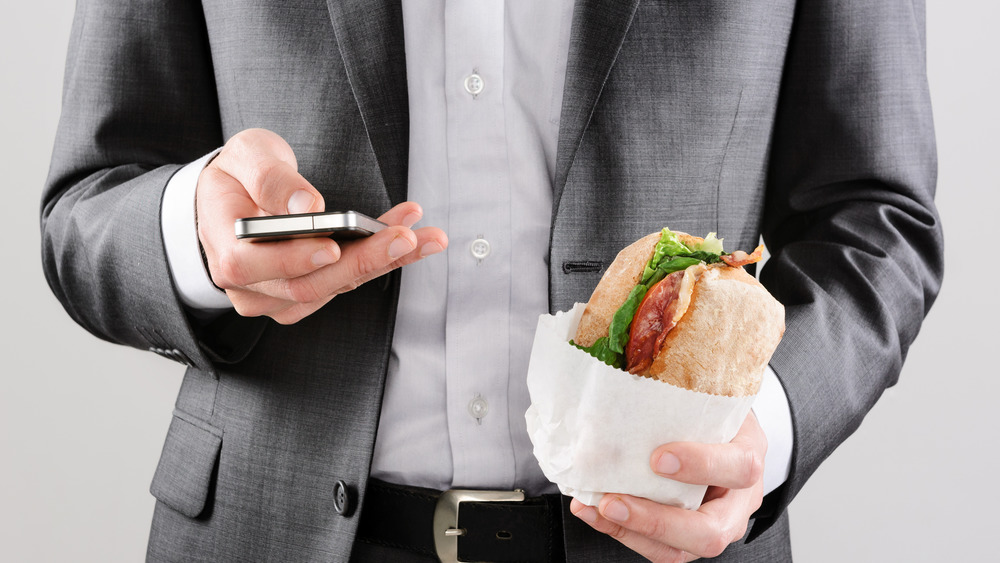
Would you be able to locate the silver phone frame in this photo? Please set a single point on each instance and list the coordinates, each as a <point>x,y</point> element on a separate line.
<point>341,225</point>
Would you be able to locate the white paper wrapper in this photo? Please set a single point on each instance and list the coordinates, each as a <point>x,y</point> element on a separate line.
<point>595,427</point>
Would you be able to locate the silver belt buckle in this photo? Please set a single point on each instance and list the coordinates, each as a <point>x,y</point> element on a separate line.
<point>446,530</point>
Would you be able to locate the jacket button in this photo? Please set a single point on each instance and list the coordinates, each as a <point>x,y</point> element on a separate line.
<point>342,499</point>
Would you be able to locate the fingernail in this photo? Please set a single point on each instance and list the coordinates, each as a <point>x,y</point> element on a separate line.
<point>430,248</point>
<point>616,510</point>
<point>668,464</point>
<point>411,219</point>
<point>399,247</point>
<point>301,201</point>
<point>588,514</point>
<point>323,257</point>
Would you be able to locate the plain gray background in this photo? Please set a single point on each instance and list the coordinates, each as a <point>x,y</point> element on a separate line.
<point>82,421</point>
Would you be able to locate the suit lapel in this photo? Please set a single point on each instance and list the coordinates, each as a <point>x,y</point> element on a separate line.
<point>370,38</point>
<point>599,28</point>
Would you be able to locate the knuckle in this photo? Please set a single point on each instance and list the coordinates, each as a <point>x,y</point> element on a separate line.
<point>219,280</point>
<point>655,528</point>
<point>286,267</point>
<point>363,264</point>
<point>231,272</point>
<point>706,461</point>
<point>263,172</point>
<point>739,531</point>
<point>246,135</point>
<point>715,542</point>
<point>302,290</point>
<point>715,547</point>
<point>265,140</point>
<point>667,554</point>
<point>350,286</point>
<point>753,467</point>
<point>241,146</point>
<point>617,532</point>
<point>204,234</point>
<point>247,308</point>
<point>225,273</point>
<point>256,133</point>
<point>239,143</point>
<point>209,178</point>
<point>287,317</point>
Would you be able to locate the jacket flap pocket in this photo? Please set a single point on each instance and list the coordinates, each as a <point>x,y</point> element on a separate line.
<point>184,474</point>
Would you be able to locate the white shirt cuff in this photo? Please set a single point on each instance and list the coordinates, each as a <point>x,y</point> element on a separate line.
<point>180,237</point>
<point>775,418</point>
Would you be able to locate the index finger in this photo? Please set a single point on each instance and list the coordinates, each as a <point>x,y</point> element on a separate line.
<point>406,214</point>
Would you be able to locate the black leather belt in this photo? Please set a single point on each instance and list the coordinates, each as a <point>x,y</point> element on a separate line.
<point>463,524</point>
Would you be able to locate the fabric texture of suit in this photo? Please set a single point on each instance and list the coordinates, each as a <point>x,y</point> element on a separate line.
<point>805,122</point>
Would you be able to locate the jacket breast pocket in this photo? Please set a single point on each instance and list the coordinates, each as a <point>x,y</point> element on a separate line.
<point>183,477</point>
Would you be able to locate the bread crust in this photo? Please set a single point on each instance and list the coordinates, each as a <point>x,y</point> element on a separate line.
<point>621,276</point>
<point>724,340</point>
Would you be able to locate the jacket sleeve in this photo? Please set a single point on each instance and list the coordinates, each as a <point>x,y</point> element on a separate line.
<point>855,239</point>
<point>139,100</point>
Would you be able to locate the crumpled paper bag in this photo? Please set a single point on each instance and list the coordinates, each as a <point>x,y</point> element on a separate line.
<point>595,427</point>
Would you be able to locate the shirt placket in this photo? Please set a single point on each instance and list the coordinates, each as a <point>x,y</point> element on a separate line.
<point>479,257</point>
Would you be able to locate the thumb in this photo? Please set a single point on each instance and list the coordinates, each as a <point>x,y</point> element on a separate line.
<point>264,165</point>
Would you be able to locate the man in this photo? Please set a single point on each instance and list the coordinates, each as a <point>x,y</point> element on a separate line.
<point>541,139</point>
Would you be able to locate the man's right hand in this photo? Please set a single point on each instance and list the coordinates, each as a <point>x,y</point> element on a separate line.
<point>256,174</point>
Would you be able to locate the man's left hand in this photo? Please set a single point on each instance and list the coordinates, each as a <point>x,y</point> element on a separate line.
<point>735,475</point>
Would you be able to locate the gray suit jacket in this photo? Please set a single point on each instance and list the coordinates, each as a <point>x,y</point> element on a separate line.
<point>805,122</point>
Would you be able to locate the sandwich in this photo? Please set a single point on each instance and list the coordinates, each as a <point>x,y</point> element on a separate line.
<point>677,308</point>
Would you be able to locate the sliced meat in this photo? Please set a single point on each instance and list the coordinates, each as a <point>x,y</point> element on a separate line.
<point>740,258</point>
<point>662,307</point>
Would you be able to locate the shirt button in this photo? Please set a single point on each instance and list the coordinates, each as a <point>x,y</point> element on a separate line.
<point>480,248</point>
<point>478,408</point>
<point>474,84</point>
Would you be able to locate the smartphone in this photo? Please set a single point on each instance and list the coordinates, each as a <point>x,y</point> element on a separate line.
<point>340,225</point>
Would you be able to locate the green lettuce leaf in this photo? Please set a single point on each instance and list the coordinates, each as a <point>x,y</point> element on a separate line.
<point>711,244</point>
<point>601,351</point>
<point>620,323</point>
<point>675,264</point>
<point>701,256</point>
<point>668,245</point>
